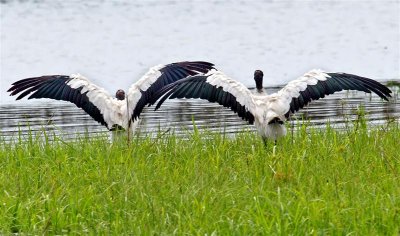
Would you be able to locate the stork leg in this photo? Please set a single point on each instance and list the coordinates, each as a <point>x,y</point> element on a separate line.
<point>265,142</point>
<point>129,123</point>
<point>129,133</point>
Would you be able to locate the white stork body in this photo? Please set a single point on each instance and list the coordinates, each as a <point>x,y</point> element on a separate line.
<point>120,113</point>
<point>267,112</point>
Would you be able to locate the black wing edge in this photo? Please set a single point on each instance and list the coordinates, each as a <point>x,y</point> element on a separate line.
<point>170,74</point>
<point>198,87</point>
<point>337,82</point>
<point>55,87</point>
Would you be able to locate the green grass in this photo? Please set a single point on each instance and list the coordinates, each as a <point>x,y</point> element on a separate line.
<point>325,182</point>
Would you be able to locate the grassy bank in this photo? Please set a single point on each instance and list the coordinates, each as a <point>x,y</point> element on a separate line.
<point>320,182</point>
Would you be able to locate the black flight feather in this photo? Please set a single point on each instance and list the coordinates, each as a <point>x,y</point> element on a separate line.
<point>335,83</point>
<point>198,87</point>
<point>170,74</point>
<point>56,87</point>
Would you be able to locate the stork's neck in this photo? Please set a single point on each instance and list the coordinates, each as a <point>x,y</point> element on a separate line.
<point>259,84</point>
<point>258,77</point>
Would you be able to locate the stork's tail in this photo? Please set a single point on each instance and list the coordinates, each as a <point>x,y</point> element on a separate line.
<point>276,120</point>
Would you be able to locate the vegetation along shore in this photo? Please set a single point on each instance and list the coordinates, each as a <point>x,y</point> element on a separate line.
<point>319,181</point>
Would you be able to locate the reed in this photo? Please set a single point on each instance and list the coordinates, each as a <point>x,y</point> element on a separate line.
<point>324,181</point>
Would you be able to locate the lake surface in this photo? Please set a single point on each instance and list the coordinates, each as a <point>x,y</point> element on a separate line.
<point>114,42</point>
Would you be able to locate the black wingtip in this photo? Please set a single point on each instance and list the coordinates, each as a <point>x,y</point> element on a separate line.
<point>378,88</point>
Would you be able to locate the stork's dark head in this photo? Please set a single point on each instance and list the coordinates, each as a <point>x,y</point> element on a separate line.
<point>120,94</point>
<point>258,77</point>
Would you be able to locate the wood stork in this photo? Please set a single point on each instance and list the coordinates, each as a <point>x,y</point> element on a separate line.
<point>114,113</point>
<point>267,112</point>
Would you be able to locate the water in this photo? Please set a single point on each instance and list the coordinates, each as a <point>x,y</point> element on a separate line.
<point>114,42</point>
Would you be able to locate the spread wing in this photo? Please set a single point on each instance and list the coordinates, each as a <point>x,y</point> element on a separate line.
<point>316,84</point>
<point>214,87</point>
<point>76,89</point>
<point>140,93</point>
